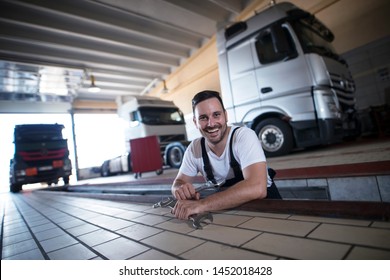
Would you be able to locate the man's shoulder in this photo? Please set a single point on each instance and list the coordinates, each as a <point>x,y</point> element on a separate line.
<point>195,146</point>
<point>244,131</point>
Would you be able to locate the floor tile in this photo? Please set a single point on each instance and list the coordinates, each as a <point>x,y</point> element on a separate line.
<point>18,248</point>
<point>354,235</point>
<point>214,251</point>
<point>177,225</point>
<point>261,214</point>
<point>130,215</point>
<point>34,254</point>
<point>231,236</point>
<point>71,223</point>
<point>330,220</point>
<point>16,238</point>
<point>11,230</point>
<point>97,237</point>
<point>38,222</point>
<point>138,232</point>
<point>363,253</point>
<point>43,227</point>
<point>48,234</point>
<point>153,255</point>
<point>58,243</point>
<point>74,252</point>
<point>120,249</point>
<point>297,248</point>
<point>110,222</point>
<point>150,219</point>
<point>172,242</point>
<point>229,220</point>
<point>296,228</point>
<point>82,229</point>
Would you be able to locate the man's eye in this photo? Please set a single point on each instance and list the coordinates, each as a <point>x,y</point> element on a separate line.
<point>202,118</point>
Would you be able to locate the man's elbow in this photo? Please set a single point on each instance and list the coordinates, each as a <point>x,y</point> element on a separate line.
<point>262,193</point>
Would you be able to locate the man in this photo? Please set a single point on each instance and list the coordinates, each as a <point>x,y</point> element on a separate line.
<point>248,183</point>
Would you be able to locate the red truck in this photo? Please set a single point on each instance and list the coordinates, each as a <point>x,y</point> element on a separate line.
<point>41,155</point>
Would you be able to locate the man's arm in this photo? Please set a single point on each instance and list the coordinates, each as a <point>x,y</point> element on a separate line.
<point>254,186</point>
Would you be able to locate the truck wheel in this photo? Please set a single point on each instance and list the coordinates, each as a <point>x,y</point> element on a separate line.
<point>15,188</point>
<point>175,156</point>
<point>66,180</point>
<point>275,136</point>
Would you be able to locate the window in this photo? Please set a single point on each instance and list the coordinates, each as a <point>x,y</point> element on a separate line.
<point>266,47</point>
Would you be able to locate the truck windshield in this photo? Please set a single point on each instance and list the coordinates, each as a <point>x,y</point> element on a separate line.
<point>37,134</point>
<point>161,116</point>
<point>312,41</point>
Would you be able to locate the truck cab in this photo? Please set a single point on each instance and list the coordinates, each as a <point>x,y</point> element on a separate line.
<point>150,116</point>
<point>41,155</point>
<point>281,77</point>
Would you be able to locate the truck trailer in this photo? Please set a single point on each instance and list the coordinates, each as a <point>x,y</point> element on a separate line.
<point>280,76</point>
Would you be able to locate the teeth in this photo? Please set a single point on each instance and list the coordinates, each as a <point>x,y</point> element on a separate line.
<point>211,131</point>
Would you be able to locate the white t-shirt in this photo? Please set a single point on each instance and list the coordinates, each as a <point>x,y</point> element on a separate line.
<point>247,150</point>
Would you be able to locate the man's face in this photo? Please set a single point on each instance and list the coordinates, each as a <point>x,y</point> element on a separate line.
<point>211,120</point>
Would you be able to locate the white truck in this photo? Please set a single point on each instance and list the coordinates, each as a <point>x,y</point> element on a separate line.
<point>281,77</point>
<point>148,116</point>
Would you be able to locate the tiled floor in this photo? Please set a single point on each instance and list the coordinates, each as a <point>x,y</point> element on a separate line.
<point>46,225</point>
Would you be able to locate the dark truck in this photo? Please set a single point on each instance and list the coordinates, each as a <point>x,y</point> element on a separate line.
<point>41,155</point>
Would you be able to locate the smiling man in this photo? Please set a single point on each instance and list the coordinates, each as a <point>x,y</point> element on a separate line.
<point>223,153</point>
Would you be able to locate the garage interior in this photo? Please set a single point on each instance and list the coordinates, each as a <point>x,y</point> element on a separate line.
<point>52,53</point>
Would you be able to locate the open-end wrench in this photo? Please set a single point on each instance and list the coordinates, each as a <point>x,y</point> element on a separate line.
<point>196,219</point>
<point>210,185</point>
<point>170,202</point>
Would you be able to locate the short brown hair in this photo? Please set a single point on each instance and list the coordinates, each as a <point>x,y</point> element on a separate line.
<point>204,95</point>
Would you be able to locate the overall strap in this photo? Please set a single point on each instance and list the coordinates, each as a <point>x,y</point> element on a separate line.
<point>233,162</point>
<point>206,162</point>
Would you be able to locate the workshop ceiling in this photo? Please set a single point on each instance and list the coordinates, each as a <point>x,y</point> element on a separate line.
<point>50,49</point>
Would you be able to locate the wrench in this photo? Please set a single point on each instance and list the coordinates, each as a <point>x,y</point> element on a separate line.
<point>196,219</point>
<point>170,202</point>
<point>210,185</point>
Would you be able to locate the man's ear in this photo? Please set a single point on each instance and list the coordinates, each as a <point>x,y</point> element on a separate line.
<point>194,120</point>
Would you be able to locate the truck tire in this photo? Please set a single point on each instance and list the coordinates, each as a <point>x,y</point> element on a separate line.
<point>175,156</point>
<point>275,136</point>
<point>14,188</point>
<point>66,180</point>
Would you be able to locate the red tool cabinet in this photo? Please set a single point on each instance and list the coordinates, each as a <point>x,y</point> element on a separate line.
<point>146,155</point>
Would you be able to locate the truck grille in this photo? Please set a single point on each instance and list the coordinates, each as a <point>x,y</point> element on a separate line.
<point>42,154</point>
<point>345,89</point>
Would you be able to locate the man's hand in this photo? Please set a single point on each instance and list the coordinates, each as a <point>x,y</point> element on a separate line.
<point>186,192</point>
<point>185,208</point>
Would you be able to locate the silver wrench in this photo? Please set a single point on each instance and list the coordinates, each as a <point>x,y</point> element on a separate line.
<point>170,202</point>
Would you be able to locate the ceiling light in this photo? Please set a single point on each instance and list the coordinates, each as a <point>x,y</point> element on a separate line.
<point>93,88</point>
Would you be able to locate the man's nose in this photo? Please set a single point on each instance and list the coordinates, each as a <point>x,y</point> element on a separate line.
<point>211,121</point>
